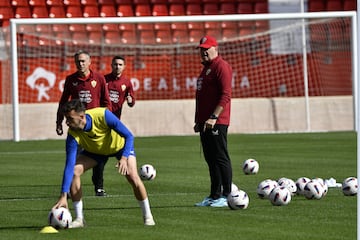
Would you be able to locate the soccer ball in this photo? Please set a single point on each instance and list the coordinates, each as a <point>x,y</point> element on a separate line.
<point>250,166</point>
<point>313,190</point>
<point>147,172</point>
<point>238,200</point>
<point>300,184</point>
<point>289,184</point>
<point>280,196</point>
<point>59,217</point>
<point>265,187</point>
<point>350,186</point>
<point>323,184</point>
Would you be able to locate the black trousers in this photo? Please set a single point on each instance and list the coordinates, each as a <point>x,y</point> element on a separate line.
<point>98,175</point>
<point>214,144</point>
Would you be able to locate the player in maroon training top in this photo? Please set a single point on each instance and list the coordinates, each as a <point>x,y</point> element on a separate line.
<point>90,88</point>
<point>212,119</point>
<point>119,86</point>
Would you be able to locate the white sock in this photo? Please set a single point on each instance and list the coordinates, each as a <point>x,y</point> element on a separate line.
<point>145,208</point>
<point>78,207</point>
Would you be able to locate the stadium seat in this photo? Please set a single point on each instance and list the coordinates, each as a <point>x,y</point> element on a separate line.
<point>229,33</point>
<point>123,2</point>
<point>147,37</point>
<point>60,28</point>
<point>162,27</point>
<point>40,12</point>
<point>77,28</point>
<point>350,5</point>
<point>125,11</point>
<point>72,3</point>
<point>216,33</point>
<point>142,10</point>
<point>334,5</point>
<point>193,9</point>
<point>176,10</point>
<point>245,8</point>
<point>316,6</point>
<point>228,8</point>
<point>160,10</point>
<point>29,40</point>
<point>158,1</point>
<point>127,27</point>
<point>37,3</point>
<point>180,36</point>
<point>91,11</point>
<point>146,2</point>
<point>107,11</point>
<point>48,42</point>
<point>73,12</point>
<point>261,7</point>
<point>93,27</point>
<point>96,38</point>
<point>195,35</point>
<point>176,1</point>
<point>112,38</point>
<point>20,3</point>
<point>44,28</point>
<point>210,9</point>
<point>57,12</point>
<point>54,2</point>
<point>110,27</point>
<point>22,12</point>
<point>62,37</point>
<point>6,13</point>
<point>163,37</point>
<point>246,31</point>
<point>27,28</point>
<point>212,25</point>
<point>80,38</point>
<point>106,2</point>
<point>5,4</point>
<point>89,2</point>
<point>128,37</point>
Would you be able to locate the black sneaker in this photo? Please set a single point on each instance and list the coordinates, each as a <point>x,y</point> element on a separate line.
<point>100,193</point>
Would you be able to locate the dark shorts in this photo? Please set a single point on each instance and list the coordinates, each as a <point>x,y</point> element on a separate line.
<point>103,158</point>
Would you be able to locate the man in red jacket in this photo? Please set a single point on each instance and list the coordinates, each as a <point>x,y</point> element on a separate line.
<point>212,118</point>
<point>119,86</point>
<point>90,88</point>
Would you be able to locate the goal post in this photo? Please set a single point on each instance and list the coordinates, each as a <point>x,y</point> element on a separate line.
<point>272,64</point>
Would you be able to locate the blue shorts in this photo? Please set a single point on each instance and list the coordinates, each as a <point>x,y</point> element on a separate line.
<point>103,158</point>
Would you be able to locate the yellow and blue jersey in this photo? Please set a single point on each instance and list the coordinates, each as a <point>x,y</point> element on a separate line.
<point>103,134</point>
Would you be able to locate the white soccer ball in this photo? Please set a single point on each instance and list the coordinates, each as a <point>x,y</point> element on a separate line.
<point>323,184</point>
<point>314,190</point>
<point>250,166</point>
<point>238,200</point>
<point>147,172</point>
<point>265,187</point>
<point>280,196</point>
<point>59,218</point>
<point>300,184</point>
<point>350,186</point>
<point>289,184</point>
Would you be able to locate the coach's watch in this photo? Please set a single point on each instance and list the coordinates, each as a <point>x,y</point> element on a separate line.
<point>213,116</point>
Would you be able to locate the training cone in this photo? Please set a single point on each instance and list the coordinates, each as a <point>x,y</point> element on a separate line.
<point>49,229</point>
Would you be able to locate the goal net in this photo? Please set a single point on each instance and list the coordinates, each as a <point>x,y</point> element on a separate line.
<point>292,73</point>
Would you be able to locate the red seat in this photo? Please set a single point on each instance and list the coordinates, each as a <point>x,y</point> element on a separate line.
<point>128,37</point>
<point>44,41</point>
<point>72,2</point>
<point>180,36</point>
<point>142,10</point>
<point>6,13</point>
<point>227,8</point>
<point>37,3</point>
<point>55,2</point>
<point>334,5</point>
<point>193,9</point>
<point>162,26</point>
<point>127,27</point>
<point>110,27</point>
<point>89,2</point>
<point>112,38</point>
<point>27,28</point>
<point>62,38</point>
<point>160,10</point>
<point>123,2</point>
<point>350,5</point>
<point>211,9</point>
<point>57,12</point>
<point>176,1</point>
<point>92,27</point>
<point>5,4</point>
<point>107,2</point>
<point>176,10</point>
<point>261,7</point>
<point>163,37</point>
<point>125,11</point>
<point>141,2</point>
<point>60,28</point>
<point>159,1</point>
<point>73,12</point>
<point>44,28</point>
<point>245,8</point>
<point>77,27</point>
<point>96,38</point>
<point>216,33</point>
<point>229,33</point>
<point>212,25</point>
<point>316,6</point>
<point>20,3</point>
<point>147,37</point>
<point>91,11</point>
<point>179,26</point>
<point>107,11</point>
<point>195,35</point>
<point>40,12</point>
<point>22,12</point>
<point>79,38</point>
<point>196,25</point>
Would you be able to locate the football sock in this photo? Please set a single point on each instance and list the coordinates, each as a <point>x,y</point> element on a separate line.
<point>145,207</point>
<point>78,207</point>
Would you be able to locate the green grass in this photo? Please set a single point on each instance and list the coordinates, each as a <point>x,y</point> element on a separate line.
<point>31,174</point>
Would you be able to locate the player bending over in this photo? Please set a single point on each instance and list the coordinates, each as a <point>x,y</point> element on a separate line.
<point>101,135</point>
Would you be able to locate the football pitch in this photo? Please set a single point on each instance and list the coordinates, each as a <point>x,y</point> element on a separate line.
<point>31,174</point>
